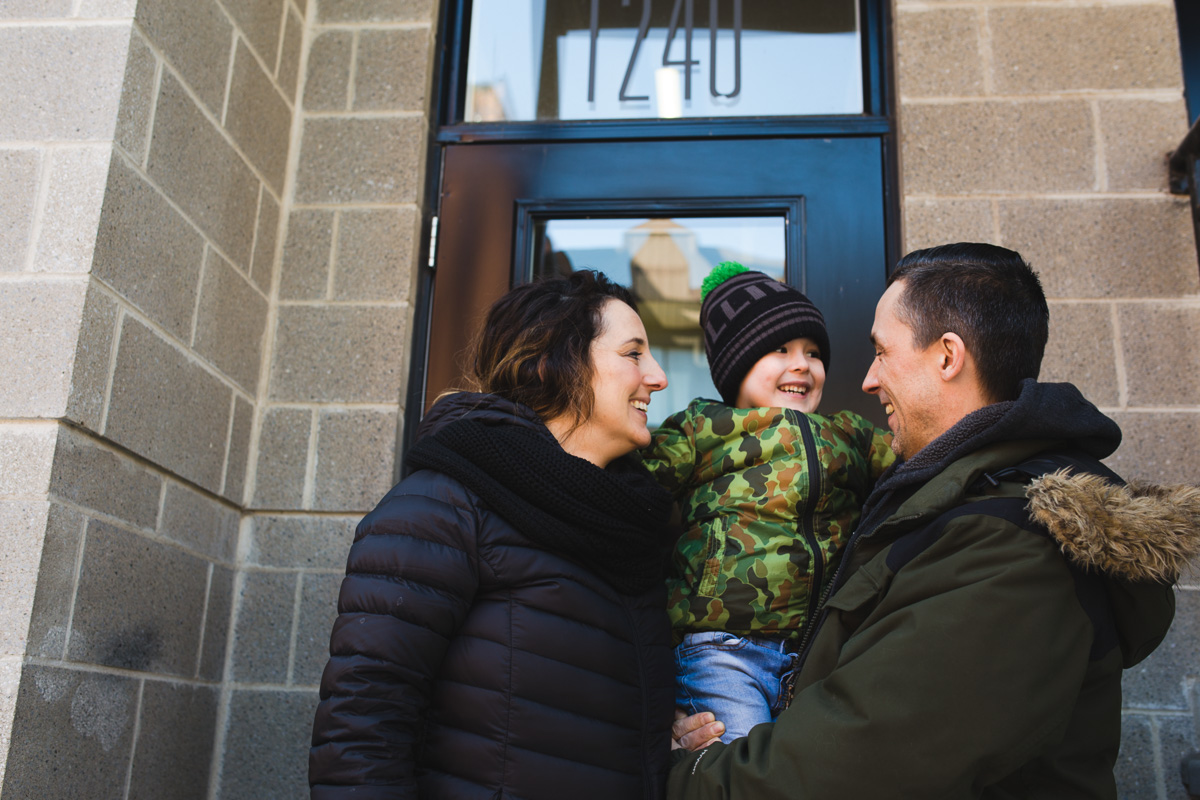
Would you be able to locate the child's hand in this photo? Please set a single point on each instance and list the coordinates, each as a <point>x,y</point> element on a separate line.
<point>695,732</point>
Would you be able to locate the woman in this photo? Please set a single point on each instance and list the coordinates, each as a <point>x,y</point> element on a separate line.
<point>503,629</point>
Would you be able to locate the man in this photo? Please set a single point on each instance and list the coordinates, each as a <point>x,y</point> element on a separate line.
<point>967,648</point>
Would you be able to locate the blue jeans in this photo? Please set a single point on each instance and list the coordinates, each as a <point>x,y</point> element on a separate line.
<point>743,681</point>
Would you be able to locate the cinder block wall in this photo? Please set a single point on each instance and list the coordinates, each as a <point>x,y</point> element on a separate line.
<point>143,157</point>
<point>334,379</point>
<point>1044,127</point>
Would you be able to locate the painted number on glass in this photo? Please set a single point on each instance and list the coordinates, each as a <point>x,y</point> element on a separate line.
<point>687,9</point>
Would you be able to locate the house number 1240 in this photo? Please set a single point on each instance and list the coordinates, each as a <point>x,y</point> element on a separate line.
<point>687,7</point>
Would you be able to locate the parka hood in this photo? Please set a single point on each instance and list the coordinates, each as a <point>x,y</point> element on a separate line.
<point>1136,532</point>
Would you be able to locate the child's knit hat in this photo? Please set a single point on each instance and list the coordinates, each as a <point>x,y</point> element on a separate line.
<point>747,314</point>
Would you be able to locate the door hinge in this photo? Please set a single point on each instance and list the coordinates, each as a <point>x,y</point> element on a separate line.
<point>433,225</point>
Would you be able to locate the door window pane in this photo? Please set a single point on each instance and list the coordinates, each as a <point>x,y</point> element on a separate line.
<point>664,261</point>
<point>658,59</point>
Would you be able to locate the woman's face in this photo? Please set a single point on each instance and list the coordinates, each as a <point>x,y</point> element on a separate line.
<point>624,375</point>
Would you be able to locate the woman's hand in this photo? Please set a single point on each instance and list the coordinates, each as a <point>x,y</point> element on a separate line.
<point>695,732</point>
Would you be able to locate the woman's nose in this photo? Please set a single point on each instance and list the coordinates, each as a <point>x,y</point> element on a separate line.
<point>654,377</point>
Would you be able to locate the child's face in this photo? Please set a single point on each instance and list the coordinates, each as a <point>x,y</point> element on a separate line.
<point>790,377</point>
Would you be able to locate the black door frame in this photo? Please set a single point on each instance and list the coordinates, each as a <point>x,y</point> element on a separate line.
<point>449,83</point>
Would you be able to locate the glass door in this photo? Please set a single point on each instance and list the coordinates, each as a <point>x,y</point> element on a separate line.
<point>657,216</point>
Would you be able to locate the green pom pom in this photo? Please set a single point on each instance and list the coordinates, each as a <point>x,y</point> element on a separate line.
<point>720,273</point>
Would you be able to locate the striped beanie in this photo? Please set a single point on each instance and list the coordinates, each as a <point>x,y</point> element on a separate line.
<point>747,314</point>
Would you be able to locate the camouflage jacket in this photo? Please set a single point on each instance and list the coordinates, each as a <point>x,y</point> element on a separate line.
<point>769,497</point>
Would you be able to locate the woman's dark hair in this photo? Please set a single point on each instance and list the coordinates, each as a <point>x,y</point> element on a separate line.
<point>986,294</point>
<point>535,344</point>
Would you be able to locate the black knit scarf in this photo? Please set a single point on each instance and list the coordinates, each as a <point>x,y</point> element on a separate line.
<point>613,521</point>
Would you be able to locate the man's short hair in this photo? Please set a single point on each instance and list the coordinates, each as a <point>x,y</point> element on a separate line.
<point>987,295</point>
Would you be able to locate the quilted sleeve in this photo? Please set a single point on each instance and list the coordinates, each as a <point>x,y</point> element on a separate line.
<point>410,578</point>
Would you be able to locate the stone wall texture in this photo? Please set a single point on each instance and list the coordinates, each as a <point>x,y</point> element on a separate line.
<point>1045,127</point>
<point>207,267</point>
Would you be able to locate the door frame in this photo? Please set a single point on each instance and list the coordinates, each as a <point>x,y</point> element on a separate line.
<point>449,82</point>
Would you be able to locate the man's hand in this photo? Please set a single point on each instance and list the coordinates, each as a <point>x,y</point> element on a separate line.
<point>695,732</point>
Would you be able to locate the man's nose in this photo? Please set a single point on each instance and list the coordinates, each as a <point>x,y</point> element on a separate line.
<point>870,384</point>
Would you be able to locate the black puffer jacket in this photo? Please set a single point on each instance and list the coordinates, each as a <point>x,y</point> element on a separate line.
<point>469,662</point>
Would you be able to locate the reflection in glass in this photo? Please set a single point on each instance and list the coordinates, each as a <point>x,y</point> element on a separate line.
<point>645,59</point>
<point>664,261</point>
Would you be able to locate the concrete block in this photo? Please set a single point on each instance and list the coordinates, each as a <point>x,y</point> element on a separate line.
<point>393,69</point>
<point>175,742</point>
<point>77,178</point>
<point>137,603</point>
<point>57,571</point>
<point>266,750</point>
<point>122,9</point>
<point>231,321</point>
<point>929,222</point>
<point>376,160</point>
<point>167,408</point>
<point>258,119</point>
<point>93,358</point>
<point>1152,379</point>
<point>72,734</point>
<point>216,624</point>
<point>288,74</point>
<point>22,529</point>
<point>266,243</point>
<point>279,540</point>
<point>1037,49</point>
<point>1105,248</point>
<point>1081,350</point>
<point>199,523</point>
<point>318,610</point>
<point>328,71</point>
<point>1135,768</point>
<point>356,451</point>
<point>306,253</point>
<point>1013,147</point>
<point>338,354</point>
<point>198,169</point>
<point>147,252</point>
<point>96,478</point>
<point>35,9</point>
<point>260,21</point>
<point>62,82</point>
<point>1159,447</point>
<point>39,324</point>
<point>10,680</point>
<point>282,458</point>
<point>1177,739</point>
<point>1158,682</point>
<point>27,453</point>
<point>1138,137</point>
<point>939,53</point>
<point>137,98</point>
<point>375,11</point>
<point>19,179</point>
<point>263,634</point>
<point>375,254</point>
<point>239,451</point>
<point>196,37</point>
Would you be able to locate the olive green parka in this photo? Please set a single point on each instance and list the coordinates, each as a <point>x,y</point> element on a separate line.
<point>972,646</point>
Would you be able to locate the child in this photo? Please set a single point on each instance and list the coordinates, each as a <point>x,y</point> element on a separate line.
<point>769,492</point>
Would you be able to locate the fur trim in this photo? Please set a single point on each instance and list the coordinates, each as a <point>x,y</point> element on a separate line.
<point>1136,532</point>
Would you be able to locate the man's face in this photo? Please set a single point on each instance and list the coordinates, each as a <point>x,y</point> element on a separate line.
<point>905,379</point>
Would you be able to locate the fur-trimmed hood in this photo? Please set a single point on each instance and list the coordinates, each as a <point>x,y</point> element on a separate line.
<point>1136,532</point>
